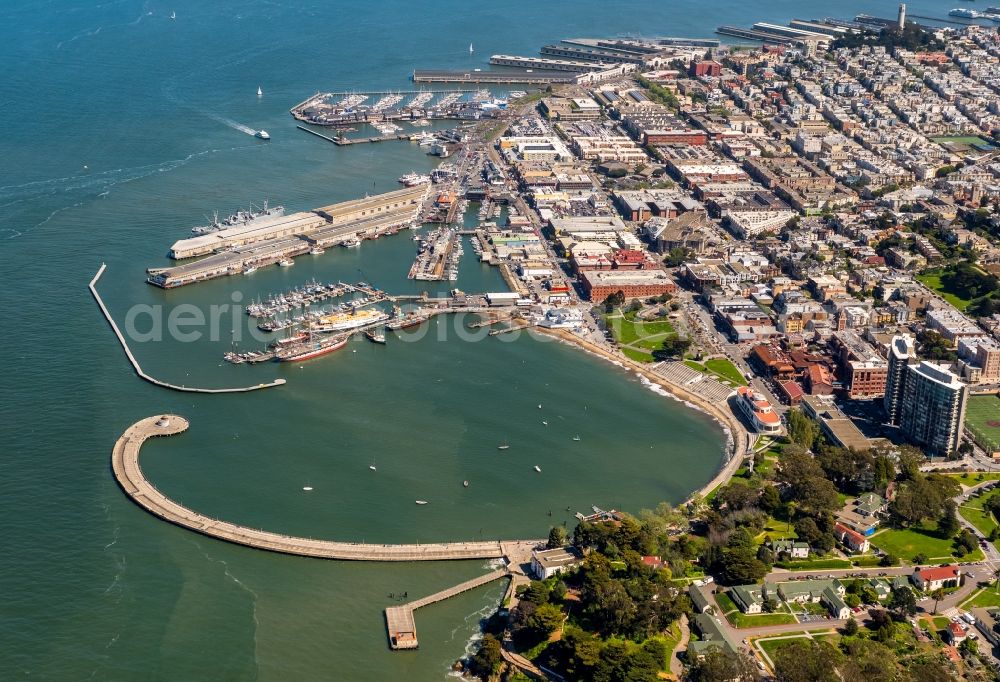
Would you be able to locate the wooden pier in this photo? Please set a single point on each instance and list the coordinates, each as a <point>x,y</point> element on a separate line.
<point>138,368</point>
<point>125,465</point>
<point>400,622</point>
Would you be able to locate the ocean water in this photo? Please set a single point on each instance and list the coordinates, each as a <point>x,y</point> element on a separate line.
<point>122,129</point>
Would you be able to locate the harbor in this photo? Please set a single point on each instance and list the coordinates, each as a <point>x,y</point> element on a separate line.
<point>345,109</point>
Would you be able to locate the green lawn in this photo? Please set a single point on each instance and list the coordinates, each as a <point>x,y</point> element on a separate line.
<point>907,543</point>
<point>815,564</point>
<point>982,418</point>
<point>776,529</point>
<point>741,620</point>
<point>972,479</point>
<point>629,331</point>
<point>636,354</point>
<point>726,604</point>
<point>983,598</point>
<point>973,512</point>
<point>695,365</point>
<point>771,646</point>
<point>670,639</point>
<point>932,280</point>
<point>725,369</point>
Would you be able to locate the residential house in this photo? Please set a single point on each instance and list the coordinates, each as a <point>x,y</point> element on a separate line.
<point>852,539</point>
<point>796,550</point>
<point>748,598</point>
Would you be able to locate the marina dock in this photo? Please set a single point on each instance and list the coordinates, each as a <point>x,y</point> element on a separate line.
<point>400,622</point>
<point>128,474</point>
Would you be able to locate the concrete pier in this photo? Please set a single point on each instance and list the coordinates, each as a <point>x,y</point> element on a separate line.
<point>399,620</point>
<point>125,465</point>
<point>138,368</point>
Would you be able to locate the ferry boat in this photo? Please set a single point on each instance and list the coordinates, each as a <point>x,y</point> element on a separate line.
<point>350,320</point>
<point>262,135</point>
<point>311,349</point>
<point>758,410</point>
<point>964,13</point>
<point>414,179</point>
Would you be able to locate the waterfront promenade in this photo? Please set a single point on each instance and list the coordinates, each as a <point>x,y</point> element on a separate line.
<point>125,464</point>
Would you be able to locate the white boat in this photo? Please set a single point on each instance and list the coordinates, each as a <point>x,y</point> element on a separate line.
<point>964,13</point>
<point>421,501</point>
<point>250,269</point>
<point>286,262</point>
<point>465,484</point>
<point>372,467</point>
<point>470,48</point>
<point>317,251</point>
<point>262,135</point>
<point>503,446</point>
<point>538,469</point>
<point>173,15</point>
<point>576,437</point>
<point>545,423</point>
<point>260,93</point>
<point>307,488</point>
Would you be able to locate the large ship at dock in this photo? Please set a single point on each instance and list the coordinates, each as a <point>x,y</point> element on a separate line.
<point>339,322</point>
<point>314,347</point>
<point>402,320</point>
<point>241,217</point>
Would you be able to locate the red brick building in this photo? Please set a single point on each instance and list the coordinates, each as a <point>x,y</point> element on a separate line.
<point>705,68</point>
<point>599,284</point>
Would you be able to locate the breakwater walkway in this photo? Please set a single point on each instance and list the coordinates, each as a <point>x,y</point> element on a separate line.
<point>138,368</point>
<point>399,620</point>
<point>125,464</point>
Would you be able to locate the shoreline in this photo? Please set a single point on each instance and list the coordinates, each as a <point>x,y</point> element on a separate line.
<point>736,446</point>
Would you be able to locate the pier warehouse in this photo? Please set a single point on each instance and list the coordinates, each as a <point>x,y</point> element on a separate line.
<point>298,223</point>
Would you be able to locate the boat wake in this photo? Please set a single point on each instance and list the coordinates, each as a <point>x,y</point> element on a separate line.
<point>92,185</point>
<point>235,125</point>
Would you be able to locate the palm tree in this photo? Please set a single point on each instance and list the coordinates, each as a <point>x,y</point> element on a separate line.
<point>937,595</point>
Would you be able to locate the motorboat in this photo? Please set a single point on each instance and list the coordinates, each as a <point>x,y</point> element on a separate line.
<point>262,135</point>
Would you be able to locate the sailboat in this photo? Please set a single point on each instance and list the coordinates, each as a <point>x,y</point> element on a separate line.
<point>372,465</point>
<point>577,437</point>
<point>470,48</point>
<point>173,15</point>
<point>260,93</point>
<point>503,446</point>
<point>538,469</point>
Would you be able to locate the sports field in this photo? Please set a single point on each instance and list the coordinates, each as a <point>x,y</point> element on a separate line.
<point>982,418</point>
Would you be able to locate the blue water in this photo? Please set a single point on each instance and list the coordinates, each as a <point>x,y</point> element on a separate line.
<point>121,129</point>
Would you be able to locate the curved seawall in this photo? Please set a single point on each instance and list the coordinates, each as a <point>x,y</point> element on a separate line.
<point>125,464</point>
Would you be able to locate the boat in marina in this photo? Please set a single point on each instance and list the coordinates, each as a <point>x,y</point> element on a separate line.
<point>312,348</point>
<point>250,269</point>
<point>414,179</point>
<point>376,335</point>
<point>352,319</point>
<point>317,250</point>
<point>286,262</point>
